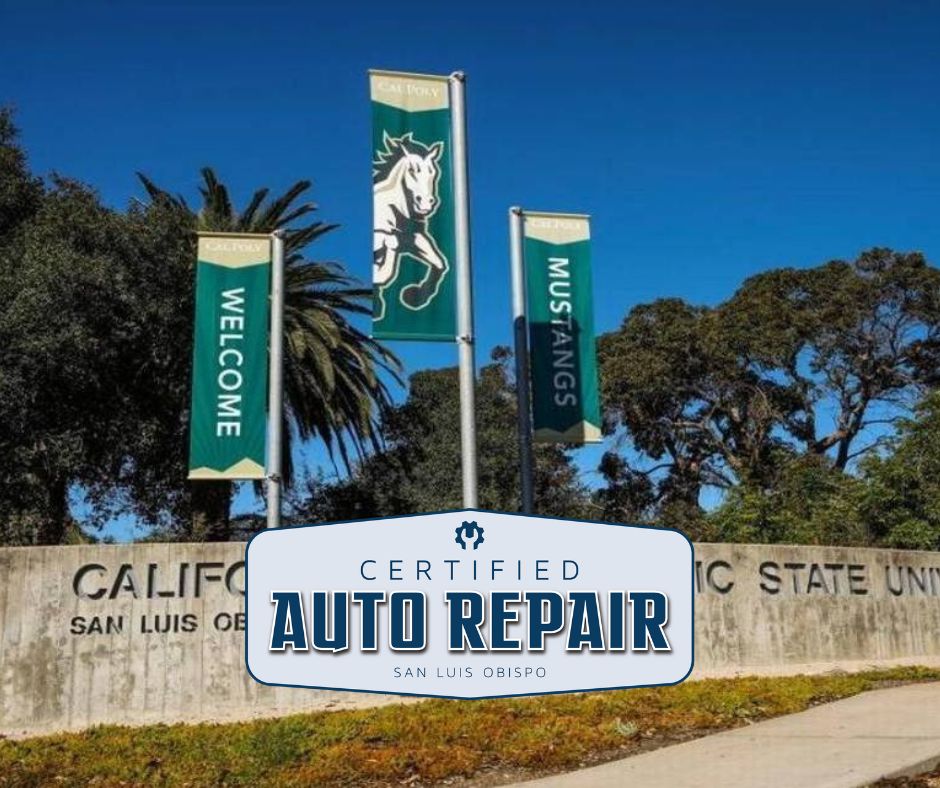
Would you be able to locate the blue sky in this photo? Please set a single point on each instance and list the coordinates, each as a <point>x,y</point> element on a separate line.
<point>708,140</point>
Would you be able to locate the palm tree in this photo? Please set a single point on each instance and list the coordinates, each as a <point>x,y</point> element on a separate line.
<point>333,386</point>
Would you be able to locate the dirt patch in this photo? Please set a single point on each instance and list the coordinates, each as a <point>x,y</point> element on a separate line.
<point>929,779</point>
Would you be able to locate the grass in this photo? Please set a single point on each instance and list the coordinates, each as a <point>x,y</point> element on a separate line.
<point>474,741</point>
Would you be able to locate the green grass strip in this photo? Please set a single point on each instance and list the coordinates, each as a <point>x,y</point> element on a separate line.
<point>425,742</point>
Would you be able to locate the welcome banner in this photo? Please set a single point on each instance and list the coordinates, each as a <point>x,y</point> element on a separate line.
<point>560,306</point>
<point>413,241</point>
<point>230,357</point>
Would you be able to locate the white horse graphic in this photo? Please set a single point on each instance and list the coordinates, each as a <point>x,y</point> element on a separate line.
<point>404,194</point>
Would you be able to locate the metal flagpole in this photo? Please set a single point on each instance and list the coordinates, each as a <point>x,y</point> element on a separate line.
<point>465,349</point>
<point>276,381</point>
<point>520,328</point>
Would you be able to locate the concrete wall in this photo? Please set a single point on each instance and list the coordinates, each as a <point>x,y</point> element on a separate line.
<point>153,632</point>
<point>78,648</point>
<point>762,608</point>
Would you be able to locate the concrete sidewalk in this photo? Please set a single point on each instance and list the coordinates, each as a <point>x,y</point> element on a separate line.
<point>848,743</point>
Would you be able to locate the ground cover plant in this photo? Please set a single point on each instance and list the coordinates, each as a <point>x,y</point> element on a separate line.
<point>461,742</point>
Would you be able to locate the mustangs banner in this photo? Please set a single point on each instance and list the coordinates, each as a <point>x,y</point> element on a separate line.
<point>565,404</point>
<point>413,240</point>
<point>230,357</point>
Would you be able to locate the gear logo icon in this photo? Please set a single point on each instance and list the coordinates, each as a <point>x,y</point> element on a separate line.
<point>467,530</point>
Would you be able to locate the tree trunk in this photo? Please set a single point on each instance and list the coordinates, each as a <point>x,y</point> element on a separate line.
<point>842,455</point>
<point>211,501</point>
<point>56,518</point>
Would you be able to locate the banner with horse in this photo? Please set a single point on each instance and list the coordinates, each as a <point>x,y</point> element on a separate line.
<point>560,306</point>
<point>413,240</point>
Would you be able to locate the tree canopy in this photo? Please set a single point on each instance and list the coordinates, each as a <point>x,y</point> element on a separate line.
<point>67,328</point>
<point>819,361</point>
<point>419,471</point>
<point>899,504</point>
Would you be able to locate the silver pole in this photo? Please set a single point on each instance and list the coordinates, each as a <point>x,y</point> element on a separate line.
<point>520,328</point>
<point>276,381</point>
<point>465,348</point>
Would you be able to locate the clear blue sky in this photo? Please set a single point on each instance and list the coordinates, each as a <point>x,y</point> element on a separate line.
<point>708,140</point>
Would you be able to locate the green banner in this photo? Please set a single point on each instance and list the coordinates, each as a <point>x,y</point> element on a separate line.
<point>413,242</point>
<point>230,357</point>
<point>560,306</point>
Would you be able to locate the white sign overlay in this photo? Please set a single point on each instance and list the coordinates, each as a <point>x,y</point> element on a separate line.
<point>469,604</point>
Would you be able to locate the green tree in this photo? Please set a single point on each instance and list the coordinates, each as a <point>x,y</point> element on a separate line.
<point>420,469</point>
<point>810,502</point>
<point>20,191</point>
<point>697,415</point>
<point>715,397</point>
<point>62,363</point>
<point>858,339</point>
<point>900,505</point>
<point>334,374</point>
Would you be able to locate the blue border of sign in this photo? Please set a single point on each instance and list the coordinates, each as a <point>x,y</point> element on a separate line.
<point>473,697</point>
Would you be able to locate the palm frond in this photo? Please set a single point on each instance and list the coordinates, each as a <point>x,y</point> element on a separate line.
<point>158,195</point>
<point>272,215</point>
<point>246,221</point>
